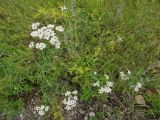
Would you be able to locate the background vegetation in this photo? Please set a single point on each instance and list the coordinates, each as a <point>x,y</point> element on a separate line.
<point>89,43</point>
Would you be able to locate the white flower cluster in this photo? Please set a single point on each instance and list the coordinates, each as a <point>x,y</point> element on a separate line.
<point>40,46</point>
<point>106,76</point>
<point>35,25</point>
<point>96,84</point>
<point>137,87</point>
<point>125,76</point>
<point>95,73</point>
<point>45,33</point>
<point>71,99</point>
<point>41,109</point>
<point>63,8</point>
<point>106,88</point>
<point>31,45</point>
<point>120,39</point>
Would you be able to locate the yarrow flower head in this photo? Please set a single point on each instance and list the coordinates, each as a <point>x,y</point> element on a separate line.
<point>63,8</point>
<point>41,109</point>
<point>71,99</point>
<point>96,84</point>
<point>75,92</point>
<point>105,89</point>
<point>54,41</point>
<point>34,34</point>
<point>60,28</point>
<point>109,84</point>
<point>129,72</point>
<point>125,76</point>
<point>95,73</point>
<point>45,33</point>
<point>68,93</point>
<point>40,46</point>
<point>106,76</point>
<point>50,26</point>
<point>31,45</point>
<point>137,86</point>
<point>35,25</point>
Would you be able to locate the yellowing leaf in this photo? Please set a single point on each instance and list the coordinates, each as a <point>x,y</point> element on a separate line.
<point>140,100</point>
<point>97,51</point>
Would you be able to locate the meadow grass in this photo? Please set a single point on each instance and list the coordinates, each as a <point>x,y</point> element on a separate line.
<point>90,43</point>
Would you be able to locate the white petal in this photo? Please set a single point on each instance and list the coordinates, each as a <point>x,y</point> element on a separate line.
<point>109,84</point>
<point>139,85</point>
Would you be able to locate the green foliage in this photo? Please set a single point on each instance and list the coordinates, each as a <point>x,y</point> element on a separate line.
<point>155,105</point>
<point>89,43</point>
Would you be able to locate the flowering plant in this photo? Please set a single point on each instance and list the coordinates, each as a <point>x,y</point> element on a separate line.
<point>45,33</point>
